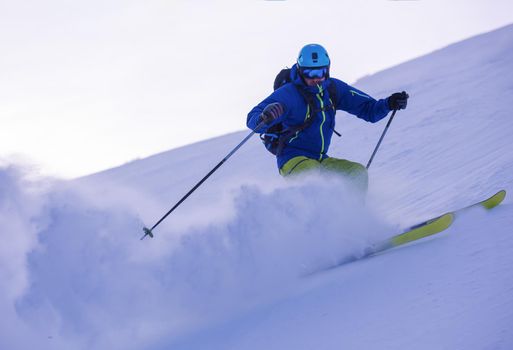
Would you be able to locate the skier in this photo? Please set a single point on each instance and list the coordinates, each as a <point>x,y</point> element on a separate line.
<point>305,111</point>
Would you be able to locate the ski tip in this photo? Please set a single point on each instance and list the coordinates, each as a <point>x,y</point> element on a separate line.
<point>494,200</point>
<point>446,220</point>
<point>147,232</point>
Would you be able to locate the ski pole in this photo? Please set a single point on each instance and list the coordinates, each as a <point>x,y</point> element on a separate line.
<point>148,231</point>
<point>381,138</point>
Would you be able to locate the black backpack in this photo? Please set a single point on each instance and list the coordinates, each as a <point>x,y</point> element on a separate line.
<point>275,138</point>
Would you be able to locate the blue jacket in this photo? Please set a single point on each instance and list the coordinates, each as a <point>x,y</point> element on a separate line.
<point>314,141</point>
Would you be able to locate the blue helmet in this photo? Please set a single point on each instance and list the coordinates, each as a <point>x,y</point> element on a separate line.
<point>313,55</point>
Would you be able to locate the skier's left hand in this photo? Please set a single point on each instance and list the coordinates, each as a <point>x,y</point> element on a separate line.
<point>398,100</point>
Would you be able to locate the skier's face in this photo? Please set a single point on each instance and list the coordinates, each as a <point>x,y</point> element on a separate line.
<point>314,76</point>
<point>314,81</point>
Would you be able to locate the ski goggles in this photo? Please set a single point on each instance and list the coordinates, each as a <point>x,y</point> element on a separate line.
<point>312,73</point>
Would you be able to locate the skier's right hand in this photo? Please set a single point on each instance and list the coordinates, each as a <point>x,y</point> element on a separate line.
<point>271,112</point>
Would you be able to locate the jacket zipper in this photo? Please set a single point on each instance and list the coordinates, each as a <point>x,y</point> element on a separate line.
<point>323,121</point>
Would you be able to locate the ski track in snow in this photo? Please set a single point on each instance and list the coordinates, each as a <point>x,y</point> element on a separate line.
<point>224,271</point>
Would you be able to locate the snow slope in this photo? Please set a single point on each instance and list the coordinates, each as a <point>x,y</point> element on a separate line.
<point>224,270</point>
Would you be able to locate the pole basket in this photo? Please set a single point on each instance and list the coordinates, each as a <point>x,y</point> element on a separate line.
<point>147,232</point>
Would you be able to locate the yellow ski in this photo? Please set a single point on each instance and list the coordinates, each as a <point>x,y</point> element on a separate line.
<point>422,230</point>
<point>433,226</point>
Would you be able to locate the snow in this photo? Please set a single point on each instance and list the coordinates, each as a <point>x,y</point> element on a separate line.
<point>226,269</point>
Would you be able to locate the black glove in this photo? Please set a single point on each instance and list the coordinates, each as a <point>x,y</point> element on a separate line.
<point>271,112</point>
<point>399,100</point>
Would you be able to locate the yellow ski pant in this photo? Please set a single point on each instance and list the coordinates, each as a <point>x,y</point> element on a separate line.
<point>355,172</point>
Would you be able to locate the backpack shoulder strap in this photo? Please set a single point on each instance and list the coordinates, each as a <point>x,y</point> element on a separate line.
<point>332,90</point>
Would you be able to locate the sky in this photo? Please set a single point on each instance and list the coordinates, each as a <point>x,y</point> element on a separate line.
<point>89,85</point>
